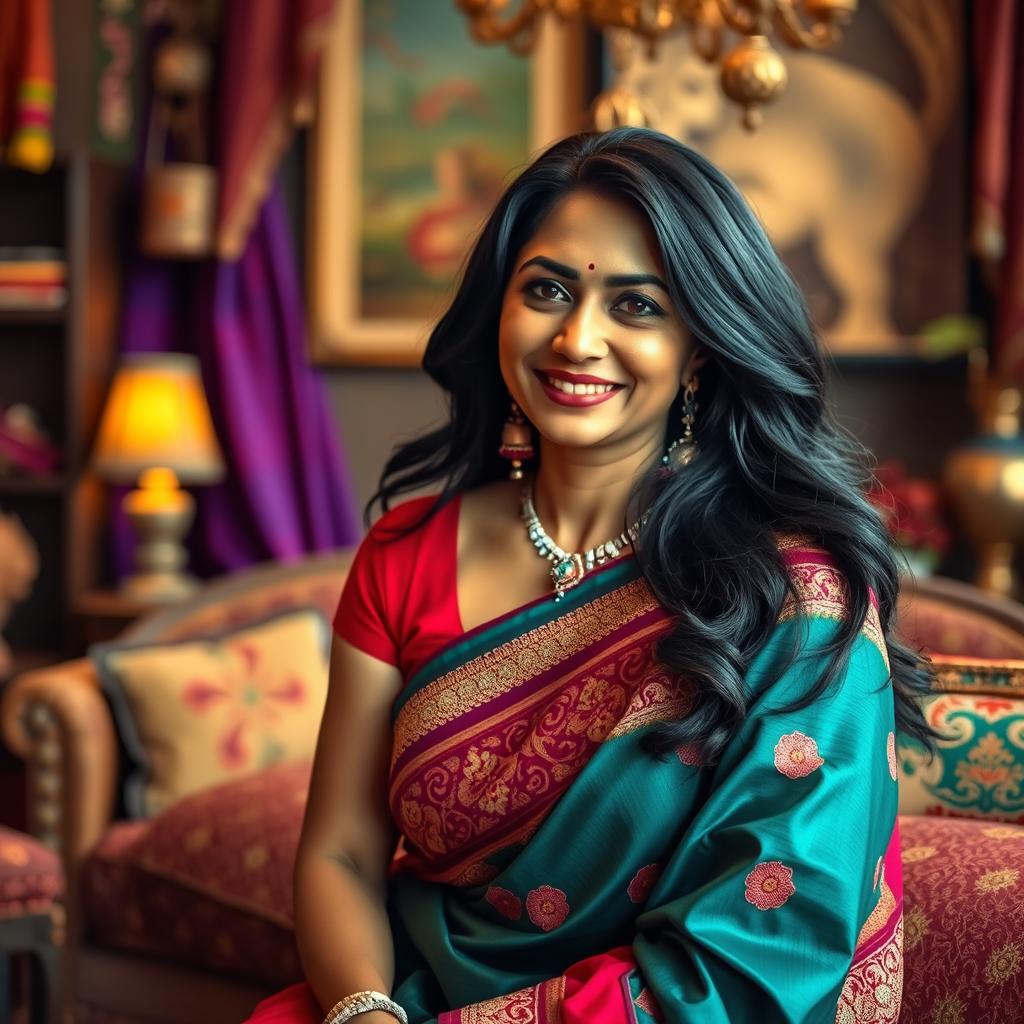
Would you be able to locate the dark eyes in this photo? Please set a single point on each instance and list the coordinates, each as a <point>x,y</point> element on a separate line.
<point>632,304</point>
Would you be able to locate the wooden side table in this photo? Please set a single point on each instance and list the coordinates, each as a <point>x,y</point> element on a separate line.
<point>100,615</point>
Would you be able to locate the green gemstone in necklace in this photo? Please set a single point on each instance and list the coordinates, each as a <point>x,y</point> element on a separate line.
<point>569,568</point>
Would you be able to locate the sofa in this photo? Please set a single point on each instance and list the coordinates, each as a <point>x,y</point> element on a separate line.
<point>185,915</point>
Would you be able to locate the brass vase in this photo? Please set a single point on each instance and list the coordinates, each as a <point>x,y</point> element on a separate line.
<point>985,481</point>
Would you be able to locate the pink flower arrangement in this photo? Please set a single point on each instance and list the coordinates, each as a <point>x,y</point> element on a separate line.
<point>547,907</point>
<point>769,885</point>
<point>911,508</point>
<point>796,755</point>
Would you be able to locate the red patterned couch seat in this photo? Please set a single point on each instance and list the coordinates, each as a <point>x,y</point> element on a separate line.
<point>208,882</point>
<point>963,920</point>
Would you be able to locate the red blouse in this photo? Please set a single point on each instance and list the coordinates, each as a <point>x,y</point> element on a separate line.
<point>400,602</point>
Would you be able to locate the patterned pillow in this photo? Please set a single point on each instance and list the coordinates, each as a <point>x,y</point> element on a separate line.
<point>196,713</point>
<point>978,769</point>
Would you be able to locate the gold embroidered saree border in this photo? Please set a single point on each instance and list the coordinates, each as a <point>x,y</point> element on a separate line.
<point>491,674</point>
<point>538,1004</point>
<point>873,988</point>
<point>510,711</point>
<point>823,593</point>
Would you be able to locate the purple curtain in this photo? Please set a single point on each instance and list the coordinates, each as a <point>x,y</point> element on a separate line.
<point>286,491</point>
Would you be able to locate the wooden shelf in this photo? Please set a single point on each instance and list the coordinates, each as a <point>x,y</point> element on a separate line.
<point>37,485</point>
<point>27,316</point>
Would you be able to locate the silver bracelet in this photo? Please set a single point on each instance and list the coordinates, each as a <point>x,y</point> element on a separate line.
<point>361,1002</point>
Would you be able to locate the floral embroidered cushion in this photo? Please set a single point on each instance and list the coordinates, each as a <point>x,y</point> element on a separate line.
<point>978,770</point>
<point>196,713</point>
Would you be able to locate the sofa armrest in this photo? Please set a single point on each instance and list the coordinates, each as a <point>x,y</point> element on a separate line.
<point>58,721</point>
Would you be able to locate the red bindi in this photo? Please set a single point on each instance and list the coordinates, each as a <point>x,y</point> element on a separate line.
<point>590,266</point>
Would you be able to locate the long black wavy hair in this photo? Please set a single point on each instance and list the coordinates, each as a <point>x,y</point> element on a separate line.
<point>771,460</point>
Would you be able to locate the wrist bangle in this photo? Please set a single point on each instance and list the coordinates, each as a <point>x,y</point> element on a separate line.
<point>361,1002</point>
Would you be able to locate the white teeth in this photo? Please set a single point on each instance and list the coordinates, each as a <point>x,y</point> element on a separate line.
<point>579,389</point>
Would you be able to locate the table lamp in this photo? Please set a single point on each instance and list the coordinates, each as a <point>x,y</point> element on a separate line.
<point>156,429</point>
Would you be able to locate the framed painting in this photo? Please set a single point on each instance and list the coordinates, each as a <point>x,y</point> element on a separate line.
<point>418,129</point>
<point>858,171</point>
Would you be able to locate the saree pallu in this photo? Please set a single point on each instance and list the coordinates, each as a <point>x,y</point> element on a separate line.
<point>556,872</point>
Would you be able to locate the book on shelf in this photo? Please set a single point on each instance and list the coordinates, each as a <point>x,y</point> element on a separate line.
<point>32,277</point>
<point>33,271</point>
<point>32,296</point>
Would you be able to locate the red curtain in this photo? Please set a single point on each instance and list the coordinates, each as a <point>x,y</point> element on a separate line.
<point>998,229</point>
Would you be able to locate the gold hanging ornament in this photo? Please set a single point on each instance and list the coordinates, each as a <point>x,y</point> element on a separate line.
<point>753,72</point>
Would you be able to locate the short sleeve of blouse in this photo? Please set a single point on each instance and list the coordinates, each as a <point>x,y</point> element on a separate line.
<point>362,617</point>
<point>388,597</point>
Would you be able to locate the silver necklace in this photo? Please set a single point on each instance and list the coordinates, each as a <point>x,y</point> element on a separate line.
<point>568,568</point>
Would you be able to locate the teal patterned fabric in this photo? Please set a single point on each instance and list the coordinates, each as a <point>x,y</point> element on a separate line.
<point>978,770</point>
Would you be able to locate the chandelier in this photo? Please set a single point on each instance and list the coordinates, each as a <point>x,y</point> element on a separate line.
<point>752,70</point>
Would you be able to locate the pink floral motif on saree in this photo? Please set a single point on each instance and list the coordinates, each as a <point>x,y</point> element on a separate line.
<point>642,882</point>
<point>769,885</point>
<point>547,907</point>
<point>505,902</point>
<point>689,754</point>
<point>796,755</point>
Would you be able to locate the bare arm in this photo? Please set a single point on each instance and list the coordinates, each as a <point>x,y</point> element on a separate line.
<point>348,836</point>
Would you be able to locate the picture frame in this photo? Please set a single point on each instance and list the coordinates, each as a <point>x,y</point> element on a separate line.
<point>857,171</point>
<point>370,303</point>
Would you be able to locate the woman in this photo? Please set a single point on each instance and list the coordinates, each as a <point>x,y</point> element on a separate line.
<point>651,773</point>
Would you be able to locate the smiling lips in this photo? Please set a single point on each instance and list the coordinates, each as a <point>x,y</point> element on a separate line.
<point>576,389</point>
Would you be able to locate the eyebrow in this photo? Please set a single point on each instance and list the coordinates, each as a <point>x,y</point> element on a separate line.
<point>613,281</point>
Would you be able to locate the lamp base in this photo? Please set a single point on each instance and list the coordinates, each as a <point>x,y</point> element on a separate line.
<point>161,514</point>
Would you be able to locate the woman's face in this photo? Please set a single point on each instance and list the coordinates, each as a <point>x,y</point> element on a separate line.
<point>591,347</point>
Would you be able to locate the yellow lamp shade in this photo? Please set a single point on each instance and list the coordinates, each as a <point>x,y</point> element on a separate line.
<point>156,415</point>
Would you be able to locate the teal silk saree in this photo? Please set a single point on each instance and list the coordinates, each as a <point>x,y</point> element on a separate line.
<point>555,872</point>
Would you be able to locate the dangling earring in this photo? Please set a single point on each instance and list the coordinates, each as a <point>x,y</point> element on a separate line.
<point>516,442</point>
<point>684,450</point>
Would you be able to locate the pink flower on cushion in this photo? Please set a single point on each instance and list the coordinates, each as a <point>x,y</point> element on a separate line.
<point>255,701</point>
<point>769,885</point>
<point>505,902</point>
<point>643,881</point>
<point>547,907</point>
<point>890,750</point>
<point>796,755</point>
